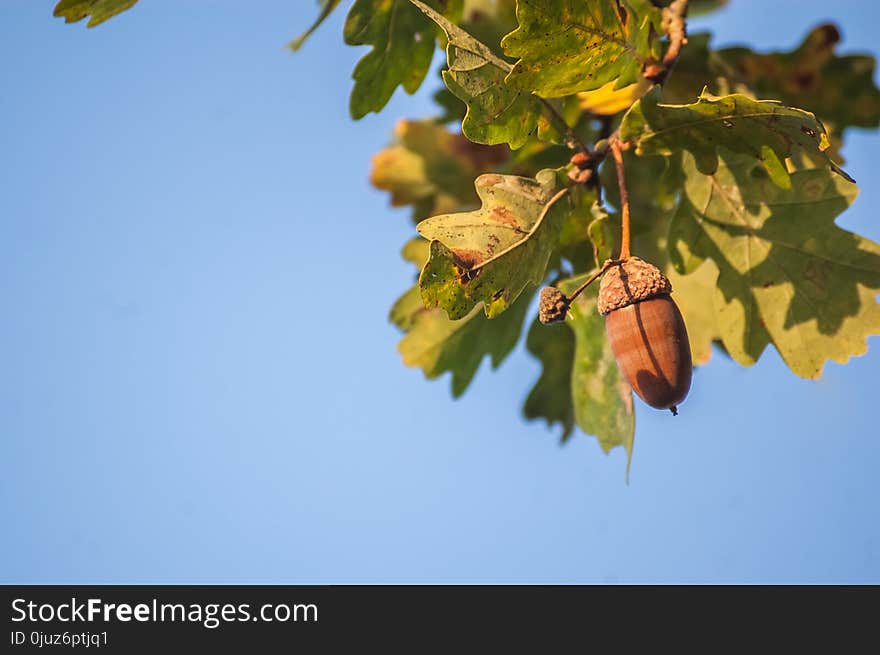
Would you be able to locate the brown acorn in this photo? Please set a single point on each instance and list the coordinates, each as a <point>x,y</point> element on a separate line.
<point>646,332</point>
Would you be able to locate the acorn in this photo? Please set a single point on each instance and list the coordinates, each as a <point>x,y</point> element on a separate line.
<point>646,332</point>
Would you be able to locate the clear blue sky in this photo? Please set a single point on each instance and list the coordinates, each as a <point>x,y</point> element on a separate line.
<point>176,190</point>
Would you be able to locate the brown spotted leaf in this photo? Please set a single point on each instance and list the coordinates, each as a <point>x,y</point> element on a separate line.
<point>439,345</point>
<point>491,254</point>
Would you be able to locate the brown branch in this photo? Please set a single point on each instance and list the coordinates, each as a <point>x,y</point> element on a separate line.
<point>674,26</point>
<point>616,152</point>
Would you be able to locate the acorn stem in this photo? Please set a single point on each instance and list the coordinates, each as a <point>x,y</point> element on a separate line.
<point>617,153</point>
<point>608,264</point>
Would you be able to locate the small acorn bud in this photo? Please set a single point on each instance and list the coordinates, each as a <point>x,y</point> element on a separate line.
<point>580,159</point>
<point>646,332</point>
<point>553,306</point>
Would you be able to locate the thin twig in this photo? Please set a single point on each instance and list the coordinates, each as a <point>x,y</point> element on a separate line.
<point>617,153</point>
<point>674,25</point>
<point>608,264</point>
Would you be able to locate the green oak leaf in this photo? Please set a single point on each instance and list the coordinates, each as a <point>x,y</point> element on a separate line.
<point>403,46</point>
<point>409,306</point>
<point>489,20</point>
<point>416,251</point>
<point>603,403</point>
<point>438,345</point>
<point>566,46</point>
<point>406,310</point>
<point>452,110</point>
<point>765,129</point>
<point>602,237</point>
<point>97,10</point>
<point>327,7</point>
<point>491,254</point>
<point>496,112</point>
<point>432,168</point>
<point>550,398</point>
<point>535,156</point>
<point>787,274</point>
<point>694,294</point>
<point>840,90</point>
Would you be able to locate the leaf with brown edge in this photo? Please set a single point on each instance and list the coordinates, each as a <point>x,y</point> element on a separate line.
<point>439,345</point>
<point>491,254</point>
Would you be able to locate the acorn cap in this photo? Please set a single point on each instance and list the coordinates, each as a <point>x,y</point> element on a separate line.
<point>553,306</point>
<point>629,282</point>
